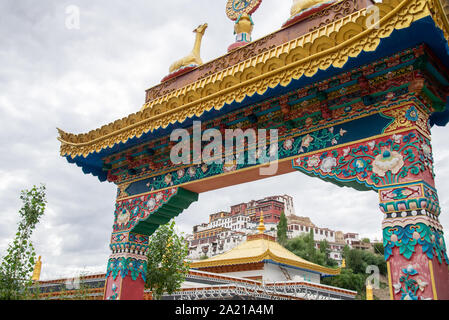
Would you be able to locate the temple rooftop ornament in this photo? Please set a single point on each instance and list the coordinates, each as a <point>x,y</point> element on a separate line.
<point>242,30</point>
<point>190,61</point>
<point>240,11</point>
<point>261,226</point>
<point>301,9</point>
<point>37,270</point>
<point>235,8</point>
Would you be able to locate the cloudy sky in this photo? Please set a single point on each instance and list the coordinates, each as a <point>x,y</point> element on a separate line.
<point>78,79</point>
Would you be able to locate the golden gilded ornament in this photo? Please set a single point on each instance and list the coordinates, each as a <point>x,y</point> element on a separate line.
<point>244,24</point>
<point>369,291</point>
<point>235,8</point>
<point>194,58</point>
<point>261,226</point>
<point>37,270</point>
<point>301,5</point>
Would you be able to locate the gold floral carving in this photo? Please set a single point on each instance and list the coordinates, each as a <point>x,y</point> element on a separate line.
<point>122,191</point>
<point>401,121</point>
<point>331,45</point>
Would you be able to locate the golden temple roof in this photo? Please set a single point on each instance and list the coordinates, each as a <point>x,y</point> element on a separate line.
<point>258,248</point>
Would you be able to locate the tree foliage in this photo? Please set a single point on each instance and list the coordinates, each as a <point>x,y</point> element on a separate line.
<point>347,279</point>
<point>166,266</point>
<point>282,229</point>
<point>304,247</point>
<point>378,248</point>
<point>359,260</point>
<point>17,265</point>
<point>325,249</point>
<point>354,276</point>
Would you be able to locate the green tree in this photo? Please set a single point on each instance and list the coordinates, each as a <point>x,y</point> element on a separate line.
<point>311,250</point>
<point>325,250</point>
<point>304,247</point>
<point>359,260</point>
<point>282,229</point>
<point>18,264</point>
<point>353,277</point>
<point>347,279</point>
<point>378,248</point>
<point>166,266</point>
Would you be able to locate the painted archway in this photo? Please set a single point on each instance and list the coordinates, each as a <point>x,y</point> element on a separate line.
<point>352,105</point>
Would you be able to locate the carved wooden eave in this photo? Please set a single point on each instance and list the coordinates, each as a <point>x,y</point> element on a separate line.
<point>329,45</point>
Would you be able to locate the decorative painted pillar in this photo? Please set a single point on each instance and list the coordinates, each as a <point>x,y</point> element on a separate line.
<point>127,267</point>
<point>413,240</point>
<point>398,163</point>
<point>135,219</point>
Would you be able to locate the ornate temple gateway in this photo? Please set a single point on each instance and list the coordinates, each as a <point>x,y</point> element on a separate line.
<point>352,88</point>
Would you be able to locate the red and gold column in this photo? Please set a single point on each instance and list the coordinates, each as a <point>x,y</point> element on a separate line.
<point>127,267</point>
<point>398,164</point>
<point>136,218</point>
<point>413,240</point>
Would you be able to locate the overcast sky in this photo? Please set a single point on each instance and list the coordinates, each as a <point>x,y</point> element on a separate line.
<point>80,79</point>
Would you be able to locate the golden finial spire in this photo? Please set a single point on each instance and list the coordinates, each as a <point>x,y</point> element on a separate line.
<point>261,226</point>
<point>37,270</point>
<point>343,263</point>
<point>369,291</point>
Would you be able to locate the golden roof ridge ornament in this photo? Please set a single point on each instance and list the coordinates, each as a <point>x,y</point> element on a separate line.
<point>261,226</point>
<point>194,58</point>
<point>301,9</point>
<point>240,11</point>
<point>299,6</point>
<point>37,270</point>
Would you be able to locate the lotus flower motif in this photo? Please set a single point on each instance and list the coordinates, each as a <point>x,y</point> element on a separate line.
<point>314,161</point>
<point>327,164</point>
<point>388,161</point>
<point>306,141</point>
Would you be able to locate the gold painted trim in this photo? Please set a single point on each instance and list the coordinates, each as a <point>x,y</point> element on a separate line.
<point>390,284</point>
<point>304,56</point>
<point>121,288</point>
<point>432,278</point>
